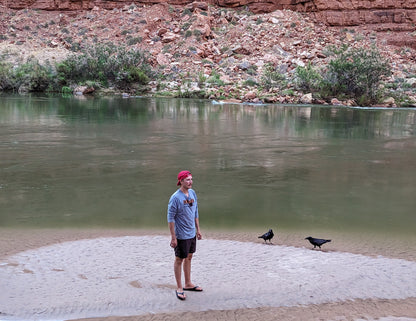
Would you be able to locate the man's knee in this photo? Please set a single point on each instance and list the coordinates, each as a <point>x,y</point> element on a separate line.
<point>178,260</point>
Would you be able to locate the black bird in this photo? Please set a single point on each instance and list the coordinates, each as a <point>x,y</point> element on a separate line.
<point>317,242</point>
<point>267,236</point>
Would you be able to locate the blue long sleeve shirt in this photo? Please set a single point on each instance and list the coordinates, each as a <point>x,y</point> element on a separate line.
<point>183,211</point>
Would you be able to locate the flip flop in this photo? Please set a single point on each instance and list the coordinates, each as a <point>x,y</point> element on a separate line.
<point>183,297</point>
<point>195,288</point>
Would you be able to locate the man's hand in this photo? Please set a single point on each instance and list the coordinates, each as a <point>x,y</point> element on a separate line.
<point>173,242</point>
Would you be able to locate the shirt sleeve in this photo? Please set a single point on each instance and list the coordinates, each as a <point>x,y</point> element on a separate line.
<point>172,209</point>
<point>196,204</point>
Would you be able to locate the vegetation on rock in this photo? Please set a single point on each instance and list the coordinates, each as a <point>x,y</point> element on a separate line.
<point>205,52</point>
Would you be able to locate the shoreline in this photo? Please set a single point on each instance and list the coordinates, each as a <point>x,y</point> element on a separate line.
<point>389,310</point>
<point>13,241</point>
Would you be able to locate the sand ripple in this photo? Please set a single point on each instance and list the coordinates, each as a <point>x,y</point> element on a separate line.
<point>133,275</point>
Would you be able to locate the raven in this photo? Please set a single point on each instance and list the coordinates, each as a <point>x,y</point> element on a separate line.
<point>267,236</point>
<point>316,242</point>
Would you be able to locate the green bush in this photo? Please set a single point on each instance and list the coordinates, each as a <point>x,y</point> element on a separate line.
<point>201,79</point>
<point>215,79</point>
<point>29,76</point>
<point>66,90</point>
<point>307,79</point>
<point>100,65</point>
<point>272,78</point>
<point>106,64</point>
<point>356,73</point>
<point>134,41</point>
<point>5,70</point>
<point>188,33</point>
<point>133,75</point>
<point>250,83</point>
<point>34,76</point>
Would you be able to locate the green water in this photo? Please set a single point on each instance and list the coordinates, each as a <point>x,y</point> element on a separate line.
<point>76,162</point>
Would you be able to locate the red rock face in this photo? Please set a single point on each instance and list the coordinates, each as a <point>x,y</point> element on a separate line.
<point>397,16</point>
<point>394,18</point>
<point>350,11</point>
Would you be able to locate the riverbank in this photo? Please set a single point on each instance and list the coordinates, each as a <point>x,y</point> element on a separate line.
<point>206,51</point>
<point>290,248</point>
<point>13,241</point>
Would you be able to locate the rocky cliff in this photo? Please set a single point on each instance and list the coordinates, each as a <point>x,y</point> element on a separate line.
<point>395,18</point>
<point>221,52</point>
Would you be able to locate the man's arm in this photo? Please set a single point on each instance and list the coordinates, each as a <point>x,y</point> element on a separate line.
<point>198,231</point>
<point>173,241</point>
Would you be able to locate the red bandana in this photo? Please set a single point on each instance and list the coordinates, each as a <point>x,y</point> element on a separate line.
<point>182,175</point>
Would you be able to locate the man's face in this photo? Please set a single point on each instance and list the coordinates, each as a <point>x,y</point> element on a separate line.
<point>187,182</point>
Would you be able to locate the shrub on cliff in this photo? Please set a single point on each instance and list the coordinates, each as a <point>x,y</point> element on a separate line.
<point>355,73</point>
<point>105,64</point>
<point>308,79</point>
<point>5,70</point>
<point>30,76</point>
<point>272,78</point>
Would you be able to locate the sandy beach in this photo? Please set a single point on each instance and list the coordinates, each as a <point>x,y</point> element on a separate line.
<point>116,275</point>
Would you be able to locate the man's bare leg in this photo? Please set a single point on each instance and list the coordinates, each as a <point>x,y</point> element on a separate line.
<point>177,268</point>
<point>187,271</point>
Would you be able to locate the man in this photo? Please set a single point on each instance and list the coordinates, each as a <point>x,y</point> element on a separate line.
<point>183,221</point>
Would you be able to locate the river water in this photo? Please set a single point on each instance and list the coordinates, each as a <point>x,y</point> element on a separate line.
<point>112,162</point>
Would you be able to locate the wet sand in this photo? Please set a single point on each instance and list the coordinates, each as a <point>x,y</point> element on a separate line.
<point>12,242</point>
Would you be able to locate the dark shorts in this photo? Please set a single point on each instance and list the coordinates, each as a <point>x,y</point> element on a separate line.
<point>185,247</point>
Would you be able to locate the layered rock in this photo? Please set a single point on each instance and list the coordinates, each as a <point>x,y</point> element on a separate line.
<point>335,12</point>
<point>383,16</point>
<point>393,18</point>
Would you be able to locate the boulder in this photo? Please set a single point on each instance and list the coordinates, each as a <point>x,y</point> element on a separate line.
<point>306,99</point>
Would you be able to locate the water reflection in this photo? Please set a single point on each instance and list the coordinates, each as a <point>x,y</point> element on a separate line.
<point>113,162</point>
